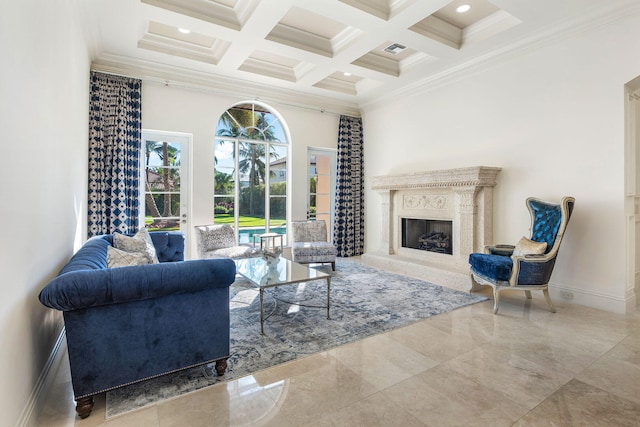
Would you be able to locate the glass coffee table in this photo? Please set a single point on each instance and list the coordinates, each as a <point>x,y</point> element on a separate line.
<point>280,272</point>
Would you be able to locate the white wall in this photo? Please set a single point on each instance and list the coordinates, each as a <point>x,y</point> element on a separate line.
<point>43,117</point>
<point>177,109</point>
<point>553,120</point>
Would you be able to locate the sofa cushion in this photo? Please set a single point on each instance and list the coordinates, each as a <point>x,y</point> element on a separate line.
<point>139,243</point>
<point>119,258</point>
<point>169,245</point>
<point>235,252</point>
<point>308,252</point>
<point>496,267</point>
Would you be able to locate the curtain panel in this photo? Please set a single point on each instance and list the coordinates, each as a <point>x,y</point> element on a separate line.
<point>115,128</point>
<point>348,231</point>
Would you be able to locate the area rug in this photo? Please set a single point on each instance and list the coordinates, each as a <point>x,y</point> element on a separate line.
<point>365,301</point>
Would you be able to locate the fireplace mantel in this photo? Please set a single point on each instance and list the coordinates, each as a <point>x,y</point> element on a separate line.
<point>462,195</point>
<point>477,176</point>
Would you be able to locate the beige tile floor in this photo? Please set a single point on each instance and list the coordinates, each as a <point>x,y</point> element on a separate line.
<point>522,367</point>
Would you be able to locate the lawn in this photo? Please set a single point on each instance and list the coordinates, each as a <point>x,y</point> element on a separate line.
<point>246,221</point>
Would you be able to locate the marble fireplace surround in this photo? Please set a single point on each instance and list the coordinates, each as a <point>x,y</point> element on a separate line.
<point>463,196</point>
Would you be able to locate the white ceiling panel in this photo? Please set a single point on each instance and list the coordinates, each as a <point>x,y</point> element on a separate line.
<point>301,49</point>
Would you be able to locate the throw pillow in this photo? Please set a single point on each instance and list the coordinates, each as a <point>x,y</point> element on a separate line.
<point>529,247</point>
<point>151,249</point>
<point>214,237</point>
<point>139,243</point>
<point>119,258</point>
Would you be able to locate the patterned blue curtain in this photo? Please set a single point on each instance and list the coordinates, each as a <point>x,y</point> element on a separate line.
<point>348,230</point>
<point>115,129</point>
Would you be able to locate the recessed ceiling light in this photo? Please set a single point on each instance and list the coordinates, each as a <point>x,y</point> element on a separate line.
<point>184,30</point>
<point>346,74</point>
<point>463,8</point>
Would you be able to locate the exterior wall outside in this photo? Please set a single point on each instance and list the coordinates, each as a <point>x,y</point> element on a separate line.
<point>169,108</point>
<point>44,100</point>
<point>553,120</point>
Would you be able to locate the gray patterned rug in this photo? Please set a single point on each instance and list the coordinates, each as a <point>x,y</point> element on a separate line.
<point>365,301</point>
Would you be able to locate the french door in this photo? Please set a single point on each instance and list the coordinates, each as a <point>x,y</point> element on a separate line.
<point>321,194</point>
<point>165,181</point>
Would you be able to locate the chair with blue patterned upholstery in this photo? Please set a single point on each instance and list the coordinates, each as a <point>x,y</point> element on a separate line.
<point>528,265</point>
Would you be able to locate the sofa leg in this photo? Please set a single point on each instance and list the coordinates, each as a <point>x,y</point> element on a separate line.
<point>221,366</point>
<point>333,265</point>
<point>84,406</point>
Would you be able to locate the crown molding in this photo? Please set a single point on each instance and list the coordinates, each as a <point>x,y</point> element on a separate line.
<point>550,35</point>
<point>209,82</point>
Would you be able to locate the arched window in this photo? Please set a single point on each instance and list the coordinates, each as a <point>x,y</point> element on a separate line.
<point>251,152</point>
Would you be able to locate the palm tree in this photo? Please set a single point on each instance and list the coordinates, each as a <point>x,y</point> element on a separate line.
<point>223,182</point>
<point>150,147</point>
<point>168,154</point>
<point>248,124</point>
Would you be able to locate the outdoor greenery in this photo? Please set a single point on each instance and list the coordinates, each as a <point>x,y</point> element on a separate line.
<point>162,185</point>
<point>241,123</point>
<point>247,221</point>
<point>244,122</point>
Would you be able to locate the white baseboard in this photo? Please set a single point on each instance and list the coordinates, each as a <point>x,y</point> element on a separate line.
<point>460,280</point>
<point>29,414</point>
<point>590,298</point>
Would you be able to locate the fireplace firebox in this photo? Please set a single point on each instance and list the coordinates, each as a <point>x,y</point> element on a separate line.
<point>428,235</point>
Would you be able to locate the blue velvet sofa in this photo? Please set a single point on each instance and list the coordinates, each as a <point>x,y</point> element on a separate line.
<point>129,324</point>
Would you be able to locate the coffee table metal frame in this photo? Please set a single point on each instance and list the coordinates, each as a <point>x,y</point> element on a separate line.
<point>285,272</point>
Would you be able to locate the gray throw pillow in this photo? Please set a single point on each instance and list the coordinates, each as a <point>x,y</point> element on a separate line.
<point>140,243</point>
<point>119,258</point>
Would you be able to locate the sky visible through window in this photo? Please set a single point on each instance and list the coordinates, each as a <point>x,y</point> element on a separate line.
<point>224,150</point>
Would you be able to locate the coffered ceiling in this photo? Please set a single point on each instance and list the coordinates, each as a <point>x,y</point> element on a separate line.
<point>328,52</point>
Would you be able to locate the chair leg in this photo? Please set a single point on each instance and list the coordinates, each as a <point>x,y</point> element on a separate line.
<point>496,299</point>
<point>528,294</point>
<point>333,265</point>
<point>548,298</point>
<point>475,286</point>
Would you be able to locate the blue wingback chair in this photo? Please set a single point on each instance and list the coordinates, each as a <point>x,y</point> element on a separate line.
<point>528,265</point>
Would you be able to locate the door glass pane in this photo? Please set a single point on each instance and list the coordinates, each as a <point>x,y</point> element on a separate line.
<point>225,185</point>
<point>259,160</point>
<point>224,167</point>
<point>252,170</point>
<point>322,164</point>
<point>278,209</point>
<point>162,185</point>
<point>223,210</point>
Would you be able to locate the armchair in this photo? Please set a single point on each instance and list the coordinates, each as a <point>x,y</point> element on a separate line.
<point>310,245</point>
<point>219,241</point>
<point>528,265</point>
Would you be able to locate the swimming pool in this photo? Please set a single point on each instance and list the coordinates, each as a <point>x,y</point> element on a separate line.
<point>245,235</point>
